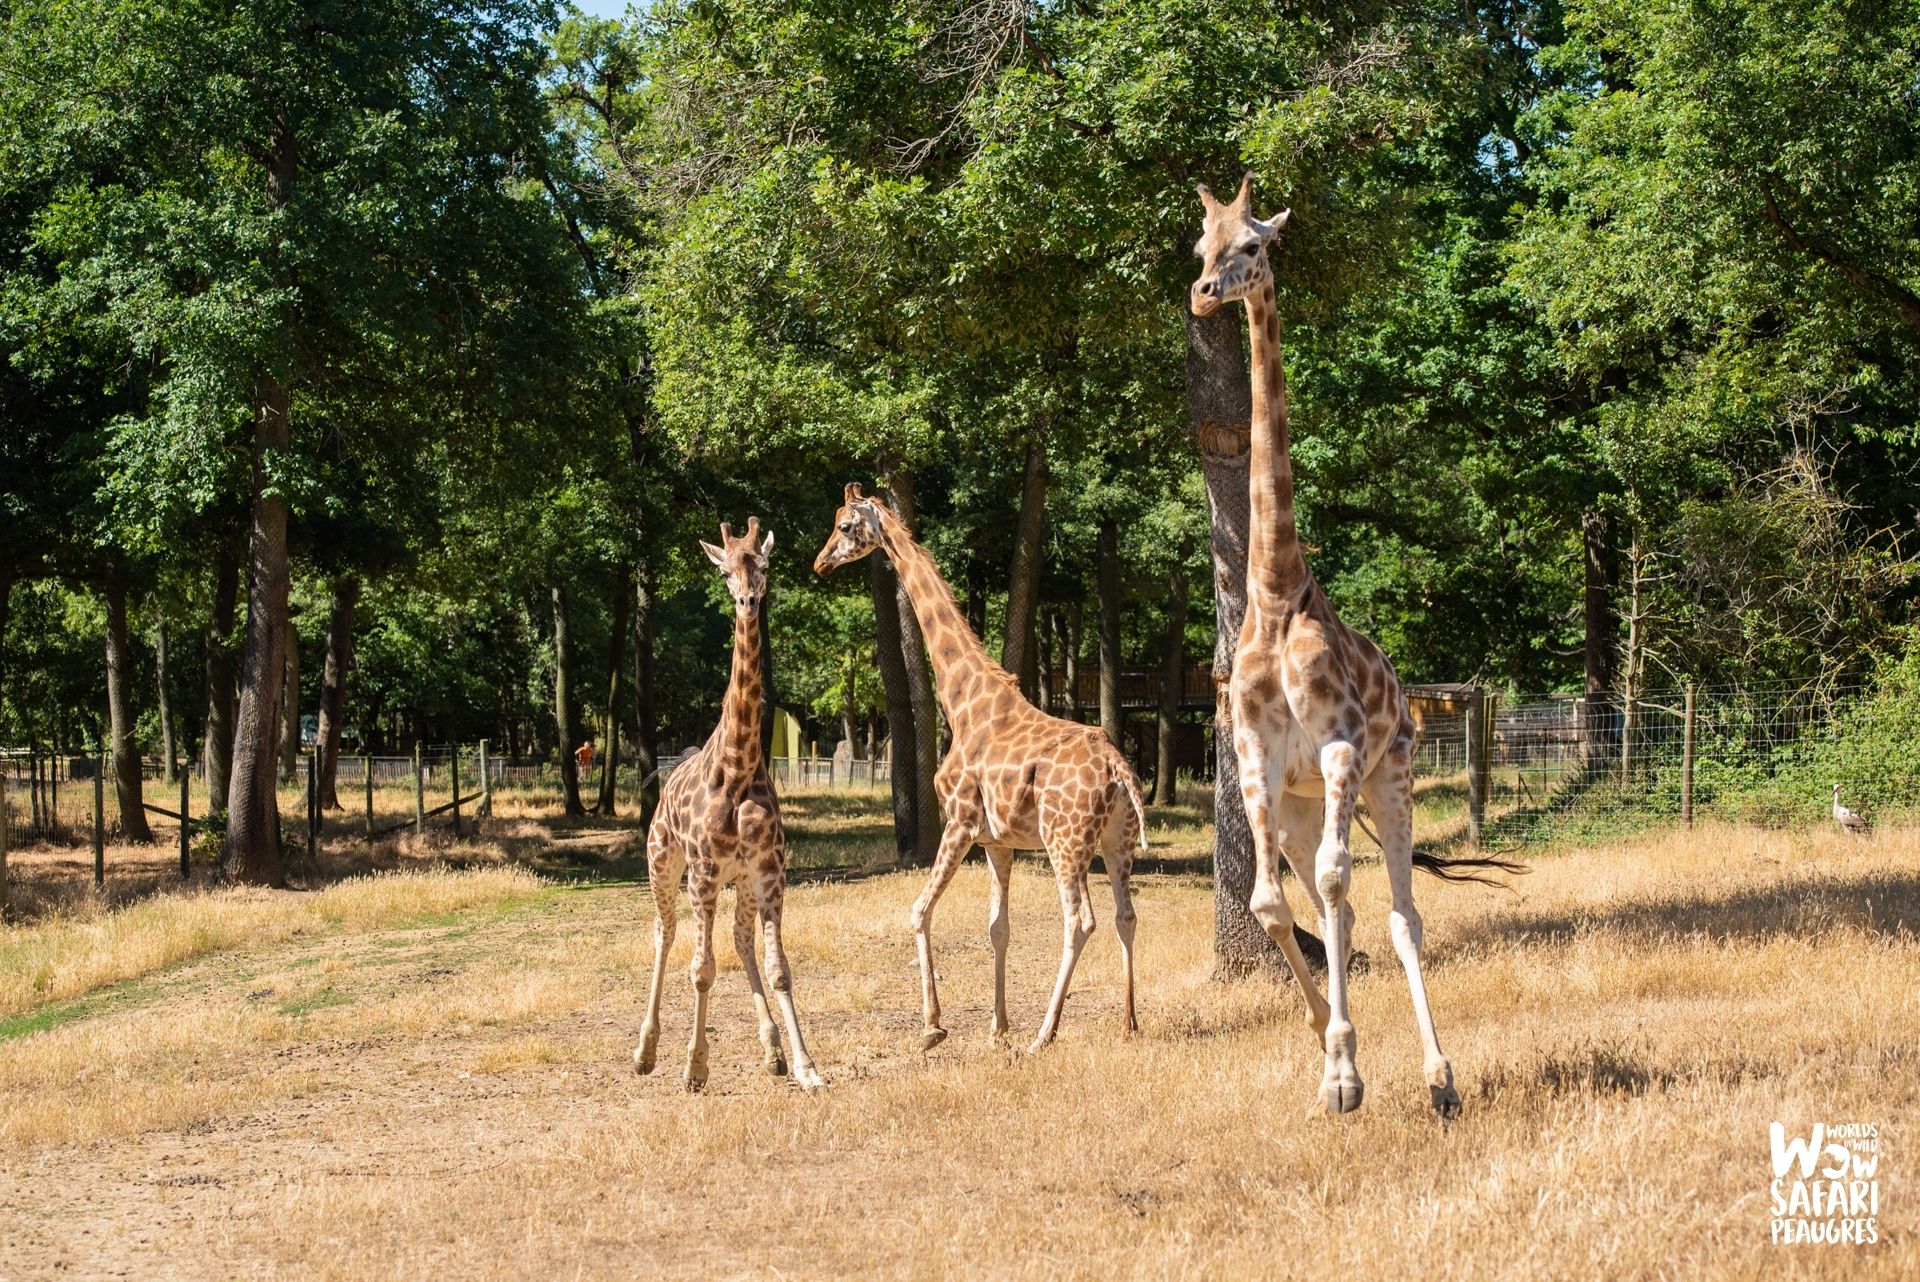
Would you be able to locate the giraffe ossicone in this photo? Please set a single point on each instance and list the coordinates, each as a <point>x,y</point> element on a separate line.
<point>719,821</point>
<point>1013,778</point>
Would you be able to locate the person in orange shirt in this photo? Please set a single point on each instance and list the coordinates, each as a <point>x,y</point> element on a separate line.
<point>583,757</point>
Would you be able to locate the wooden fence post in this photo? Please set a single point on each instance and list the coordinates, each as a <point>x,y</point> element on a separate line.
<point>366,769</point>
<point>313,808</point>
<point>419,794</point>
<point>99,824</point>
<point>486,785</point>
<point>1478,766</point>
<point>186,830</point>
<point>453,770</point>
<point>1686,762</point>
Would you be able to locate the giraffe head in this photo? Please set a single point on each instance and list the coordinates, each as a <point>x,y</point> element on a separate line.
<point>856,531</point>
<point>744,563</point>
<point>1232,249</point>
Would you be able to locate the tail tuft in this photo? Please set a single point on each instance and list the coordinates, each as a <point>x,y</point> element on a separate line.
<point>1469,868</point>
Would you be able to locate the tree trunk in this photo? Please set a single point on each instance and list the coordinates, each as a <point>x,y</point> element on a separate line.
<point>903,743</point>
<point>1072,661</point>
<point>1173,663</point>
<point>1600,652</point>
<point>564,722</point>
<point>1220,409</point>
<point>165,700</point>
<point>623,598</point>
<point>848,731</point>
<point>290,706</point>
<point>216,747</point>
<point>7,572</point>
<point>120,718</point>
<point>646,715</point>
<point>1023,585</point>
<point>926,707</point>
<point>333,688</point>
<point>1109,591</point>
<point>253,805</point>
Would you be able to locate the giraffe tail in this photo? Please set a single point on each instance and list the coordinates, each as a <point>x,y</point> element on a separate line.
<point>1132,786</point>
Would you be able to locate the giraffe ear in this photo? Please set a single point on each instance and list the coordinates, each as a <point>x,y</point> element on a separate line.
<point>714,554</point>
<point>1271,227</point>
<point>766,545</point>
<point>852,493</point>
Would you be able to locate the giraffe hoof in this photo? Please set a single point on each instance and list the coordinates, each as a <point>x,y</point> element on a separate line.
<point>998,1040</point>
<point>777,1064</point>
<point>1446,1101</point>
<point>643,1060</point>
<point>696,1079</point>
<point>810,1080</point>
<point>1340,1095</point>
<point>932,1038</point>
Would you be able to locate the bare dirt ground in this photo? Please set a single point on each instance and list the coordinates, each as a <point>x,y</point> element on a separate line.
<point>450,1095</point>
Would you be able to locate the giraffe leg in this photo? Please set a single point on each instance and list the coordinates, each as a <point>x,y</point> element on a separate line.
<point>771,892</point>
<point>665,863</point>
<point>954,844</point>
<point>999,931</point>
<point>1270,815</point>
<point>1076,915</point>
<point>1340,1087</point>
<point>1389,795</point>
<point>1119,860</point>
<point>744,941</point>
<point>704,890</point>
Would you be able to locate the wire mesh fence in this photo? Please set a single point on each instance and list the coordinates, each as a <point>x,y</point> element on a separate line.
<point>1563,766</point>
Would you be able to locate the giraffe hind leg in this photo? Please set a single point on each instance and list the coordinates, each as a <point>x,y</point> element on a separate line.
<point>665,863</point>
<point>1070,860</point>
<point>745,930</point>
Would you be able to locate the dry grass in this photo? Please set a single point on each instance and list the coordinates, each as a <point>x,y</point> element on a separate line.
<point>453,1097</point>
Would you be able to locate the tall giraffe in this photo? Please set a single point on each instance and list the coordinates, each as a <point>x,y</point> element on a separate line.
<point>1013,779</point>
<point>1318,716</point>
<point>719,819</point>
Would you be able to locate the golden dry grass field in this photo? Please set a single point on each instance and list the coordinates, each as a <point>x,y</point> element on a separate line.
<point>422,1071</point>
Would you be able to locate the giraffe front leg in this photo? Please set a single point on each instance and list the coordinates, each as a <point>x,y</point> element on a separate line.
<point>664,866</point>
<point>704,890</point>
<point>744,927</point>
<point>1341,1090</point>
<point>954,844</point>
<point>780,975</point>
<point>1272,816</point>
<point>999,931</point>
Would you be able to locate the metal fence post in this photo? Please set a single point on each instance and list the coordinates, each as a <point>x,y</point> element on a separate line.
<point>419,795</point>
<point>186,830</point>
<point>99,825</point>
<point>1686,762</point>
<point>1478,741</point>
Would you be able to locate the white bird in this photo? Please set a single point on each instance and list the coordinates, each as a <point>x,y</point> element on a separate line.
<point>1846,818</point>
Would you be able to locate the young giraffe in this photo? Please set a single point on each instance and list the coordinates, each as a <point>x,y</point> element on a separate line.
<point>1013,779</point>
<point>1317,711</point>
<point>718,818</point>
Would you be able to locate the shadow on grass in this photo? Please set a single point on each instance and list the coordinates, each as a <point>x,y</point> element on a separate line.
<point>1615,1070</point>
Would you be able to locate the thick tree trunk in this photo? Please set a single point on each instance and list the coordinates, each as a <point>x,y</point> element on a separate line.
<point>645,714</point>
<point>7,572</point>
<point>165,701</point>
<point>903,743</point>
<point>216,747</point>
<point>1220,408</point>
<point>253,807</point>
<point>1023,584</point>
<point>290,706</point>
<point>565,724</point>
<point>926,706</point>
<point>1601,650</point>
<point>333,688</point>
<point>623,598</point>
<point>1173,662</point>
<point>120,718</point>
<point>1109,575</point>
<point>849,733</point>
<point>1075,612</point>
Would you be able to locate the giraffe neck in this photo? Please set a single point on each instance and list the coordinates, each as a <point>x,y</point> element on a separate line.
<point>1275,566</point>
<point>740,711</point>
<point>951,644</point>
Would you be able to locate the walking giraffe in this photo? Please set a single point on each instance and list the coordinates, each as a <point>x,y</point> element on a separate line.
<point>720,820</point>
<point>1014,779</point>
<point>1318,715</point>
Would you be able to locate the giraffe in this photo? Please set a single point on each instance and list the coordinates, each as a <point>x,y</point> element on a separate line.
<point>1013,779</point>
<point>1318,716</point>
<point>720,821</point>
